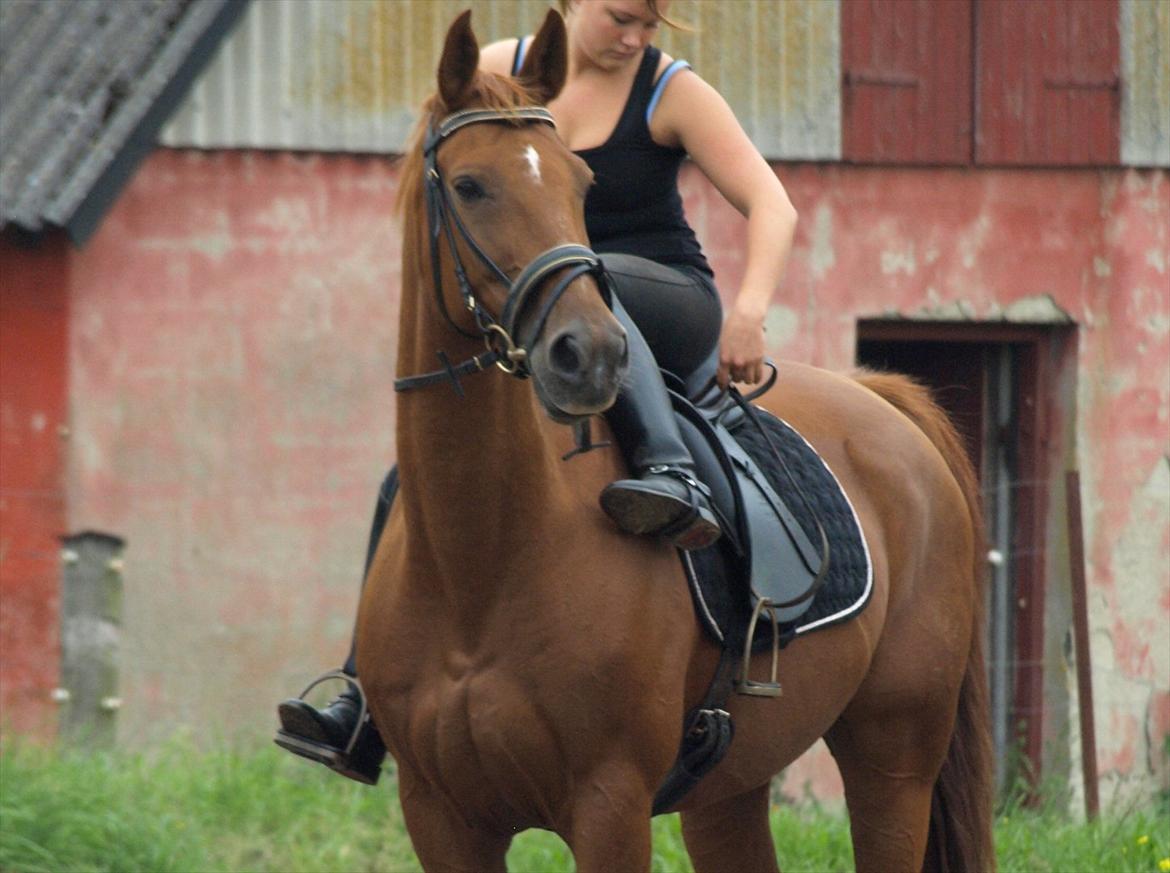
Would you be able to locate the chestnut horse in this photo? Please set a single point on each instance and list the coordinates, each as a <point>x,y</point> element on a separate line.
<point>527,664</point>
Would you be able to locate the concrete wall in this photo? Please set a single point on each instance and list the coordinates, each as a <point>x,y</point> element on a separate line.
<point>231,408</point>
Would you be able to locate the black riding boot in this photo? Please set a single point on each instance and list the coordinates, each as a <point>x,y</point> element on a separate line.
<point>666,499</point>
<point>325,735</point>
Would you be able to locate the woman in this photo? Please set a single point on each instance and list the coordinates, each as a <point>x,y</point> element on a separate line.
<point>633,114</point>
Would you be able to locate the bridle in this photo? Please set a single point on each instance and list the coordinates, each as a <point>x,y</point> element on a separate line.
<point>507,349</point>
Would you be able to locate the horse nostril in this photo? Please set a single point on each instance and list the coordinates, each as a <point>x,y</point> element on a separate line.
<point>564,355</point>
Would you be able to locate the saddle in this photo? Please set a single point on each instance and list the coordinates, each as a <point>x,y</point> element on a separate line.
<point>765,544</point>
<point>799,566</point>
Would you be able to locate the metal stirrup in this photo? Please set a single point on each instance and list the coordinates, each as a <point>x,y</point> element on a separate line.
<point>744,685</point>
<point>363,712</point>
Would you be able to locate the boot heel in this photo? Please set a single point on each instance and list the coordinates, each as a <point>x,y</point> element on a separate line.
<point>647,508</point>
<point>702,534</point>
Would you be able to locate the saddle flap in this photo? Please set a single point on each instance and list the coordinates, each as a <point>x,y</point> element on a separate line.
<point>782,565</point>
<point>781,569</point>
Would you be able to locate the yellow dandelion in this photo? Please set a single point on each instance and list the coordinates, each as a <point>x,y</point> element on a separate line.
<point>1142,840</point>
<point>1164,865</point>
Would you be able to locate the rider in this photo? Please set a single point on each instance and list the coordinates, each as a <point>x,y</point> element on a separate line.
<point>632,113</point>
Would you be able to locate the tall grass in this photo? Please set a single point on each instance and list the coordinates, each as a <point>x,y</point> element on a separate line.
<point>179,809</point>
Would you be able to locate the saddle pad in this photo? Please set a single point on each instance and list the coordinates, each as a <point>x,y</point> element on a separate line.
<point>718,586</point>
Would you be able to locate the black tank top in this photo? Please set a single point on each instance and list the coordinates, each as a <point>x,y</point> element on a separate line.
<point>634,206</point>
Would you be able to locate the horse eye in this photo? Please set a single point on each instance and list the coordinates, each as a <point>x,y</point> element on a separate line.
<point>469,190</point>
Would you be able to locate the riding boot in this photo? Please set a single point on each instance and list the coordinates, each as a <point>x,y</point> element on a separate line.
<point>666,499</point>
<point>328,735</point>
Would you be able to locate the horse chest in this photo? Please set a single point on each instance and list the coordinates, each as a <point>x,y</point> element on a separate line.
<point>477,736</point>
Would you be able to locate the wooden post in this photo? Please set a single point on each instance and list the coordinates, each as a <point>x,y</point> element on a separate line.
<point>91,618</point>
<point>1080,605</point>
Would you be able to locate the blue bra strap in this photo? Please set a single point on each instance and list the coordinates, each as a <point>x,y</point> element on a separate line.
<point>518,58</point>
<point>660,85</point>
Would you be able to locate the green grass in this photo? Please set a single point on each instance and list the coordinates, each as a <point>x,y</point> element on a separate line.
<point>179,809</point>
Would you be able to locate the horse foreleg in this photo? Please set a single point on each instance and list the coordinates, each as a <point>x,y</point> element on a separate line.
<point>731,835</point>
<point>443,841</point>
<point>610,825</point>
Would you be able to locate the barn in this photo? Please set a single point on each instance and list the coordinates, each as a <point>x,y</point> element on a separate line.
<point>197,322</point>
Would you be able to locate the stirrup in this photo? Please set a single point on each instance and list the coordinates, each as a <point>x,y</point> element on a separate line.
<point>743,684</point>
<point>316,751</point>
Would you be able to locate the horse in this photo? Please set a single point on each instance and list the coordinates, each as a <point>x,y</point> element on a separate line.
<point>529,665</point>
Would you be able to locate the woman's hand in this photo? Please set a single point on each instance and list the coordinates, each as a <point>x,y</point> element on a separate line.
<point>741,348</point>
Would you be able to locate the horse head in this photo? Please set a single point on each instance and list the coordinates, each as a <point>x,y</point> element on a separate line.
<point>504,199</point>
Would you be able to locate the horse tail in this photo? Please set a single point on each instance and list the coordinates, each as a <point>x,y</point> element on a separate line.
<point>961,805</point>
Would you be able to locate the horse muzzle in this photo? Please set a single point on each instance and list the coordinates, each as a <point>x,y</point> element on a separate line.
<point>578,366</point>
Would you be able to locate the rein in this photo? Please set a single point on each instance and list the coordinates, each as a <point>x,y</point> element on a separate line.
<point>506,348</point>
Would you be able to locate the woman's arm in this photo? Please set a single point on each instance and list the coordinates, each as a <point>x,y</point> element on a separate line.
<point>695,116</point>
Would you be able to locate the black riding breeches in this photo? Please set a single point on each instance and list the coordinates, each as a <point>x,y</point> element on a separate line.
<point>677,309</point>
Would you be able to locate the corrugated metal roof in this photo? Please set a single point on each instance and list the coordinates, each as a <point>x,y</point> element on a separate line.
<point>348,75</point>
<point>84,87</point>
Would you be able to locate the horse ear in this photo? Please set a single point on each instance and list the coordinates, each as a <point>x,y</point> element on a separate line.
<point>458,64</point>
<point>546,65</point>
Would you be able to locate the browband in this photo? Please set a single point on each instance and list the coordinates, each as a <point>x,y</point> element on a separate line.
<point>464,117</point>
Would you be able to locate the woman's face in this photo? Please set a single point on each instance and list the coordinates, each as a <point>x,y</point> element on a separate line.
<point>612,33</point>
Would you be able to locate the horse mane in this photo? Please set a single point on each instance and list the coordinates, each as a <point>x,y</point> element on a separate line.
<point>488,91</point>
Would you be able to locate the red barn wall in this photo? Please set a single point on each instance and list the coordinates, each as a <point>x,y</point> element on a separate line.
<point>33,401</point>
<point>232,351</point>
<point>232,354</point>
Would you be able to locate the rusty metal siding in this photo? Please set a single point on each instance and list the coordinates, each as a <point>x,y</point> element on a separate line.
<point>348,75</point>
<point>322,75</point>
<point>1145,94</point>
<point>906,80</point>
<point>1048,82</point>
<point>777,64</point>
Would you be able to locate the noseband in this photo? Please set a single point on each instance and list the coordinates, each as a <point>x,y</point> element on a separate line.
<point>506,348</point>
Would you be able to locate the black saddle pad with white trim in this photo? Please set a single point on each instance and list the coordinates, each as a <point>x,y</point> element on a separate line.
<point>812,492</point>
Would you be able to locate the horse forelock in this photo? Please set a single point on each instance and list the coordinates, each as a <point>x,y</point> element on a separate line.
<point>489,91</point>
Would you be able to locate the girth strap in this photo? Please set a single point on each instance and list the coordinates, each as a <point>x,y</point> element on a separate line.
<point>707,734</point>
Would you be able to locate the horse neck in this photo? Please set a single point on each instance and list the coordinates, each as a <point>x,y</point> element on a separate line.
<point>481,474</point>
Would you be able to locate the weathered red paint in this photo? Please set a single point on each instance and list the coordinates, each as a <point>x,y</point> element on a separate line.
<point>1120,758</point>
<point>1048,87</point>
<point>33,405</point>
<point>906,81</point>
<point>234,344</point>
<point>997,82</point>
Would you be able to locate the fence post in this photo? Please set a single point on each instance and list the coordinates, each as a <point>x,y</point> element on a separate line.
<point>91,619</point>
<point>1080,605</point>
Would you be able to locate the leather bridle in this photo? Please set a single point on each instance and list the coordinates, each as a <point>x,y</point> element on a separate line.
<point>506,348</point>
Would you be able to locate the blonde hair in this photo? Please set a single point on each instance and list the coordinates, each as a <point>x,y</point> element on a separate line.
<point>652,5</point>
